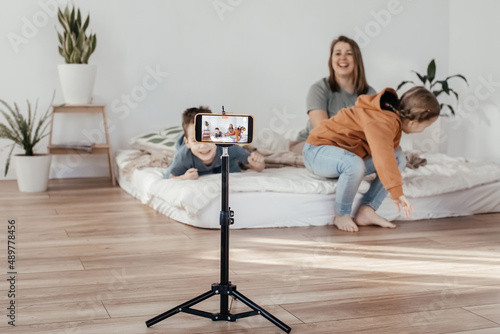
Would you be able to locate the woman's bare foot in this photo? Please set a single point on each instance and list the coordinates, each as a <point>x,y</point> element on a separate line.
<point>367,216</point>
<point>345,223</point>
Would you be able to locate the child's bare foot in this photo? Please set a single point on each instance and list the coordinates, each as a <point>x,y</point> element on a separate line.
<point>367,216</point>
<point>345,223</point>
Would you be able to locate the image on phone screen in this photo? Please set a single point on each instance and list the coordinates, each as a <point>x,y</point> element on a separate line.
<point>217,128</point>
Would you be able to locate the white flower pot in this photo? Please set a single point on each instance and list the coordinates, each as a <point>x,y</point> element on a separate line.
<point>32,172</point>
<point>77,82</point>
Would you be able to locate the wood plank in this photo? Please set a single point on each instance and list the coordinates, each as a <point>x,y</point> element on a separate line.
<point>434,322</point>
<point>490,312</point>
<point>493,330</point>
<point>378,306</point>
<point>93,259</point>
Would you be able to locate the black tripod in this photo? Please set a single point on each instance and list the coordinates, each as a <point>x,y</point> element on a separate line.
<point>224,288</point>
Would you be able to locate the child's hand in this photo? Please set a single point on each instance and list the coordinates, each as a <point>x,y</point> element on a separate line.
<point>190,174</point>
<point>403,203</point>
<point>256,161</point>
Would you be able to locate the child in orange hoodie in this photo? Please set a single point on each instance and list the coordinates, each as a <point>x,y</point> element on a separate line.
<point>236,133</point>
<point>363,140</point>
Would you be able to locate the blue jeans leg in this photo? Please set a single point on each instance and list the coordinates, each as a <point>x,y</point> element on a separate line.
<point>377,193</point>
<point>334,162</point>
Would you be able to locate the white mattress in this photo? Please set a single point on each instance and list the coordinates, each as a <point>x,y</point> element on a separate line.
<point>446,187</point>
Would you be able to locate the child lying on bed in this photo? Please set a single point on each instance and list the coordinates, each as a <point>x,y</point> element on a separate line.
<point>196,159</point>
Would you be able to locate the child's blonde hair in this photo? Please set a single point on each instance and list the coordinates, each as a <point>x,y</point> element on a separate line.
<point>418,104</point>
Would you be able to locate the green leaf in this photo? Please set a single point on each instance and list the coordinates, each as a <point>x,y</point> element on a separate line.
<point>437,92</point>
<point>450,107</point>
<point>404,83</point>
<point>169,144</point>
<point>7,164</point>
<point>79,19</point>
<point>75,57</point>
<point>7,133</point>
<point>63,20</point>
<point>85,54</point>
<point>460,76</point>
<point>171,132</point>
<point>86,24</point>
<point>31,118</point>
<point>43,123</point>
<point>14,132</point>
<point>79,41</point>
<point>423,79</point>
<point>156,140</point>
<point>149,135</point>
<point>446,88</point>
<point>431,71</point>
<point>454,93</point>
<point>72,18</point>
<point>69,46</point>
<point>94,42</point>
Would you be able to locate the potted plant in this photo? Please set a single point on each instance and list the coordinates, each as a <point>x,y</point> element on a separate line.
<point>76,46</point>
<point>434,139</point>
<point>32,170</point>
<point>206,131</point>
<point>429,81</point>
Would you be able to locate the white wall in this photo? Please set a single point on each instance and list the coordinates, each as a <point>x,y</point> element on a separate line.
<point>475,53</point>
<point>252,56</point>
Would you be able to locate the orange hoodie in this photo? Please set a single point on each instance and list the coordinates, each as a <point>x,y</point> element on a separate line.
<point>236,133</point>
<point>366,130</point>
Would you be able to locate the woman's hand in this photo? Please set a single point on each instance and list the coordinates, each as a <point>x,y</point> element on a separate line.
<point>256,161</point>
<point>403,203</point>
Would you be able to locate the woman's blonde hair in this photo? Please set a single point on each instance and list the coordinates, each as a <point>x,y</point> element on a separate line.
<point>418,104</point>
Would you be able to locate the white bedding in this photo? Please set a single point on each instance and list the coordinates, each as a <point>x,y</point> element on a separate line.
<point>292,196</point>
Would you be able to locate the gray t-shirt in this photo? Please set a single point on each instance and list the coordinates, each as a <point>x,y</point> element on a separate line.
<point>321,97</point>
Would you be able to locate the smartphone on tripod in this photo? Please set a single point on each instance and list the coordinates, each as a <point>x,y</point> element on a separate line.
<point>224,128</point>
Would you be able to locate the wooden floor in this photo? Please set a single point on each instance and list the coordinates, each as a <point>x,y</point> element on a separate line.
<point>92,259</point>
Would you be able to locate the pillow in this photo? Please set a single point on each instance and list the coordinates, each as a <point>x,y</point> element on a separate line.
<point>163,139</point>
<point>269,141</point>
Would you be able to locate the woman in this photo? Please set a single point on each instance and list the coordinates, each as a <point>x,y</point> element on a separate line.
<point>340,90</point>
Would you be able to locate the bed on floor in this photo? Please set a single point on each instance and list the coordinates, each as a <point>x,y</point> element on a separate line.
<point>288,195</point>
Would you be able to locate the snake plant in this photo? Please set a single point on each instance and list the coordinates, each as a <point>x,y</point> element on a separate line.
<point>75,45</point>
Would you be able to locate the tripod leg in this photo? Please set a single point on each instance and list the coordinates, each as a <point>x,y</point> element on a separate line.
<point>180,308</point>
<point>261,311</point>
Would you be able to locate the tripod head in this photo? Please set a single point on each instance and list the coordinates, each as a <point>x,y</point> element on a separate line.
<point>224,145</point>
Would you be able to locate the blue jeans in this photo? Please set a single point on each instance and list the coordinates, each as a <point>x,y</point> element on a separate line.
<point>334,162</point>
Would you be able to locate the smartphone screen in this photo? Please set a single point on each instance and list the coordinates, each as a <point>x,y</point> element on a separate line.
<point>223,129</point>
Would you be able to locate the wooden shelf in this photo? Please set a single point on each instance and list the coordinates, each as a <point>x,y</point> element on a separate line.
<point>97,148</point>
<point>68,149</point>
<point>83,108</point>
